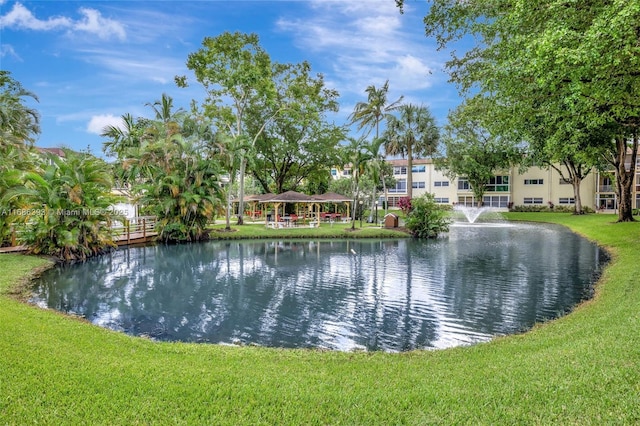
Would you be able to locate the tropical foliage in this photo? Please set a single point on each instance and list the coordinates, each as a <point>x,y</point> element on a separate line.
<point>184,192</point>
<point>427,219</point>
<point>413,133</point>
<point>368,116</point>
<point>66,207</point>
<point>356,154</point>
<point>173,166</point>
<point>19,125</point>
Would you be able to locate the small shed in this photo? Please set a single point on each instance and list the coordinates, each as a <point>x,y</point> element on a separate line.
<point>390,220</point>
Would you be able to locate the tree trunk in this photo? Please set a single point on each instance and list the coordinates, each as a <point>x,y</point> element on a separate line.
<point>625,177</point>
<point>386,199</point>
<point>575,182</point>
<point>243,167</point>
<point>409,171</point>
<point>228,209</point>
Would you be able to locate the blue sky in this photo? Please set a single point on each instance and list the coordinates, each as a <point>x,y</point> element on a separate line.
<point>90,62</point>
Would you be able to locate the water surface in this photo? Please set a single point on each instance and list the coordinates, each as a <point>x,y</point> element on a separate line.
<point>392,295</point>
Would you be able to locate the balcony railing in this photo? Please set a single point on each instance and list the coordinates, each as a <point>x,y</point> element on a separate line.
<point>605,188</point>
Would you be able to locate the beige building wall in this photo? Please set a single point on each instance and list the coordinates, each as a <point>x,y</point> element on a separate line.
<point>543,186</point>
<point>535,186</point>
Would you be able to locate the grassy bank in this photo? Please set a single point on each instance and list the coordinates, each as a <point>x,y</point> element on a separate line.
<point>325,230</point>
<point>581,369</point>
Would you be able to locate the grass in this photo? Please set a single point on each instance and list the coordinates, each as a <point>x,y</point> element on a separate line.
<point>325,230</point>
<point>581,369</point>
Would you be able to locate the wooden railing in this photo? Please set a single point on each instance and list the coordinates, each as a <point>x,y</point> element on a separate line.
<point>135,228</point>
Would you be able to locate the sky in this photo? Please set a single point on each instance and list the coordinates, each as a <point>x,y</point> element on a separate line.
<point>90,62</point>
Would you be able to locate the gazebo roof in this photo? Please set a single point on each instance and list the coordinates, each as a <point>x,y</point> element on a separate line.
<point>289,197</point>
<point>259,197</point>
<point>331,197</point>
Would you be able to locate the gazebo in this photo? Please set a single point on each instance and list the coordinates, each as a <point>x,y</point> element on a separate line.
<point>306,206</point>
<point>253,201</point>
<point>332,197</point>
<point>288,197</point>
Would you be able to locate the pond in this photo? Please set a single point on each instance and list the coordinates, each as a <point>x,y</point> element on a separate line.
<point>477,282</point>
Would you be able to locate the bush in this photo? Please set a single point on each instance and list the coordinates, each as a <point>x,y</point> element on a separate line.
<point>404,204</point>
<point>554,209</point>
<point>427,219</point>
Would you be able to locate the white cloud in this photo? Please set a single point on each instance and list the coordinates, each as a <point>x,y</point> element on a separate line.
<point>98,122</point>
<point>92,22</point>
<point>136,65</point>
<point>7,50</point>
<point>368,43</point>
<point>21,17</point>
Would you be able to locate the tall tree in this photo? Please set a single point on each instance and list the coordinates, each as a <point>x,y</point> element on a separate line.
<point>357,155</point>
<point>412,133</point>
<point>368,115</point>
<point>19,126</point>
<point>235,71</point>
<point>298,142</point>
<point>576,61</point>
<point>470,150</point>
<point>19,123</point>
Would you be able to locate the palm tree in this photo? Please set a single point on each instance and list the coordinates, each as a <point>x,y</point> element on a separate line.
<point>231,151</point>
<point>122,138</point>
<point>376,167</point>
<point>184,192</point>
<point>413,133</point>
<point>69,203</point>
<point>369,114</point>
<point>357,155</point>
<point>18,123</point>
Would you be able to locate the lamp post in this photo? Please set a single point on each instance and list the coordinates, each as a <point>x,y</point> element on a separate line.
<point>360,202</point>
<point>376,211</point>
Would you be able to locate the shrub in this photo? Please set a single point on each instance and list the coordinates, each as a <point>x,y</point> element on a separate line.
<point>404,204</point>
<point>427,219</point>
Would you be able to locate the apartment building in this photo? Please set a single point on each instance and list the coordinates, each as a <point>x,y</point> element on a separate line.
<point>536,186</point>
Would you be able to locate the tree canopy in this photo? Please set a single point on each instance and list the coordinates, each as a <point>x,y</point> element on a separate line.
<point>574,62</point>
<point>412,133</point>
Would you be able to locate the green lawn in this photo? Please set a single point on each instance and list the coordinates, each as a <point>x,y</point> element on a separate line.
<point>581,369</point>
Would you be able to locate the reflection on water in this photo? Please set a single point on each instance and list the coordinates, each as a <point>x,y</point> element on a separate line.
<point>391,295</point>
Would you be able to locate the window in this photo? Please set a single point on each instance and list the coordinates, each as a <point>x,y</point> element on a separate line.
<point>567,200</point>
<point>419,169</point>
<point>469,201</point>
<point>498,184</point>
<point>442,200</point>
<point>463,184</point>
<point>400,170</point>
<point>346,172</point>
<point>441,183</point>
<point>530,200</point>
<point>533,181</point>
<point>401,186</point>
<point>606,185</point>
<point>334,172</point>
<point>496,200</point>
<point>418,185</point>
